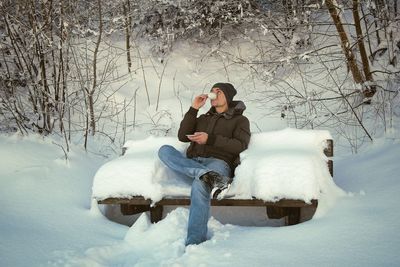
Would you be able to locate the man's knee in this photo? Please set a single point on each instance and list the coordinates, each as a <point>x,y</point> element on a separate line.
<point>164,151</point>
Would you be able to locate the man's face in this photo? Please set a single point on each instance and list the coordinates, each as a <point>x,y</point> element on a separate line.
<point>220,100</point>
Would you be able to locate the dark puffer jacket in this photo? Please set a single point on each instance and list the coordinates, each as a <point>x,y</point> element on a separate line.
<point>228,133</point>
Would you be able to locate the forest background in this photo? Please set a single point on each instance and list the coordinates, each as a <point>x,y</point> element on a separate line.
<point>80,69</point>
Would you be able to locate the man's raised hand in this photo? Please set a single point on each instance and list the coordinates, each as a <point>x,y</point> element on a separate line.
<point>199,101</point>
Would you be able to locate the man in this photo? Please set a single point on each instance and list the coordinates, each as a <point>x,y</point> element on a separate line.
<point>216,140</point>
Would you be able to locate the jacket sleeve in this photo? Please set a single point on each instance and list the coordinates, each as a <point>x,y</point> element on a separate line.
<point>188,124</point>
<point>240,139</point>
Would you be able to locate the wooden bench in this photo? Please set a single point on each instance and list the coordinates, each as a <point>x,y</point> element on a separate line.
<point>294,211</point>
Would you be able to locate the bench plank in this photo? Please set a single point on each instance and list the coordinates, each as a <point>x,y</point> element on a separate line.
<point>185,201</point>
<point>275,210</point>
<point>328,151</point>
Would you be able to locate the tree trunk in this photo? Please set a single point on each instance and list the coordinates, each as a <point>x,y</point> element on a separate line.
<point>351,60</point>
<point>96,51</point>
<point>126,9</point>
<point>45,93</point>
<point>370,90</point>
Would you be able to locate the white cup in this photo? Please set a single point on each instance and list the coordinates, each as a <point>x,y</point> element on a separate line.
<point>212,95</point>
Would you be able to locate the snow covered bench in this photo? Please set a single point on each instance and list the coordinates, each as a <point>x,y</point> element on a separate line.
<point>285,171</point>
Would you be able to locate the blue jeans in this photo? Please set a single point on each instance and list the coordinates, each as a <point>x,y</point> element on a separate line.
<point>200,193</point>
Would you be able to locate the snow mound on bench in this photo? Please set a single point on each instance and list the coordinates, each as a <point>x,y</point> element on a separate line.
<point>139,172</point>
<point>284,164</point>
<point>280,164</point>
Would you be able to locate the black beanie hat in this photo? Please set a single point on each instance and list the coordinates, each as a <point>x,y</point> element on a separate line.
<point>228,89</point>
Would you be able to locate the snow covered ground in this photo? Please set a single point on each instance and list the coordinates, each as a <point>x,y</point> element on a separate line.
<point>46,218</point>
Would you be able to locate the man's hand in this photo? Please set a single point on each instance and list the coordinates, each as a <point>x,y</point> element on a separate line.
<point>198,137</point>
<point>199,101</point>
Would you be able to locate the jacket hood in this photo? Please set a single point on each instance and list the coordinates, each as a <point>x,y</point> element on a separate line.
<point>235,108</point>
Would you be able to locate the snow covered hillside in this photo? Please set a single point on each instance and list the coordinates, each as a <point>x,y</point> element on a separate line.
<point>46,218</point>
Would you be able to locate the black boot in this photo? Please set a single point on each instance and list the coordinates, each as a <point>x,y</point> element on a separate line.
<point>208,178</point>
<point>216,182</point>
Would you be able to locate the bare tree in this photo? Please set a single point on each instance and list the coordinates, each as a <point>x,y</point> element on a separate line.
<point>128,28</point>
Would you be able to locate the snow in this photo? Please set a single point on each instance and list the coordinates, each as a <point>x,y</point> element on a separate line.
<point>279,164</point>
<point>45,203</point>
<point>46,218</point>
<point>139,172</point>
<point>284,164</point>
